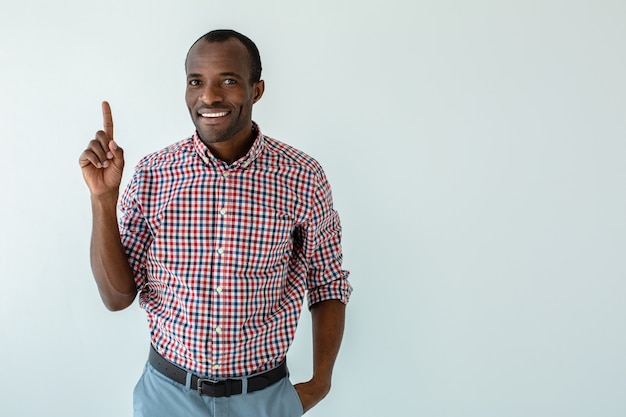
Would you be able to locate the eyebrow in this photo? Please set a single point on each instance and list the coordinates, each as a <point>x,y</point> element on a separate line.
<point>230,74</point>
<point>222,74</point>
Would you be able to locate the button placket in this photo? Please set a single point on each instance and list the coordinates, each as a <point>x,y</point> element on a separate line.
<point>221,246</point>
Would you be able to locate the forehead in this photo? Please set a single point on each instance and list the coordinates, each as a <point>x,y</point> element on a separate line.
<point>227,56</point>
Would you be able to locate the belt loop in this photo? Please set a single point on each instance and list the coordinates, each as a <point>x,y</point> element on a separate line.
<point>188,380</point>
<point>244,385</point>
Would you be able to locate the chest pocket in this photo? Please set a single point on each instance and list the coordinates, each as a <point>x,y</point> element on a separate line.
<point>266,239</point>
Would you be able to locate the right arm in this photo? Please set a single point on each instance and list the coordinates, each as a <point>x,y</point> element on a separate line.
<point>102,164</point>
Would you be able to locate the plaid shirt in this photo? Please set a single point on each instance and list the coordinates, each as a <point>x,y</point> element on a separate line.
<point>224,254</point>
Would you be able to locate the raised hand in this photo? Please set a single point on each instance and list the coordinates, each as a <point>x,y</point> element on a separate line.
<point>102,163</point>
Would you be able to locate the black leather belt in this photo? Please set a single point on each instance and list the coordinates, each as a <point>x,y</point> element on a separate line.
<point>216,388</point>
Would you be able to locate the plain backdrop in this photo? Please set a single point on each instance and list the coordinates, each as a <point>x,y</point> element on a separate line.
<point>477,153</point>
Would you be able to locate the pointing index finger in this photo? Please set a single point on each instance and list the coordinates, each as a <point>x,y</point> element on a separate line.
<point>107,119</point>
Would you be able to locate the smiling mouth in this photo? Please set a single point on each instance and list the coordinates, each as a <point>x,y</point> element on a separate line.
<point>214,114</point>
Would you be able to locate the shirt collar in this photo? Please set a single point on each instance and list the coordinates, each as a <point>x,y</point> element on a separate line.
<point>255,150</point>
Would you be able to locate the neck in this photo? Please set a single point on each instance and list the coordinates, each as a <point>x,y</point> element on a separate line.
<point>231,150</point>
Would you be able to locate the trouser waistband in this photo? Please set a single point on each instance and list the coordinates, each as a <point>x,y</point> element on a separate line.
<point>216,388</point>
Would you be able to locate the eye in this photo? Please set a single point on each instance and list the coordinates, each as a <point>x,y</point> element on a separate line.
<point>230,81</point>
<point>194,83</point>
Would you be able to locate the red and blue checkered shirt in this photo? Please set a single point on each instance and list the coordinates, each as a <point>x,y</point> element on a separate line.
<point>223,255</point>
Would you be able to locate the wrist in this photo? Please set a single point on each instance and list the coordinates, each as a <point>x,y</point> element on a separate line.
<point>321,383</point>
<point>106,201</point>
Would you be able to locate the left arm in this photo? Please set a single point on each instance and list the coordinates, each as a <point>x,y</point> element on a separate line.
<point>328,318</point>
<point>328,291</point>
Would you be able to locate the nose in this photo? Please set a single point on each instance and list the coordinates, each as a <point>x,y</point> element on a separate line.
<point>211,93</point>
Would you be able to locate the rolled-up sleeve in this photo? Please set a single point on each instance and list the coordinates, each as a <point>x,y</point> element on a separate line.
<point>326,280</point>
<point>134,233</point>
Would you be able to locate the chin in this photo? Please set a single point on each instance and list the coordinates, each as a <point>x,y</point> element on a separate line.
<point>211,138</point>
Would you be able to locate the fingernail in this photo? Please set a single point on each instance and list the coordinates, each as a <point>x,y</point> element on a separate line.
<point>114,145</point>
<point>99,165</point>
<point>106,164</point>
<point>110,155</point>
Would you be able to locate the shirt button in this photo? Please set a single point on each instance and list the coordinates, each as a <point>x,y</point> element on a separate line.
<point>217,366</point>
<point>225,174</point>
<point>223,212</point>
<point>219,289</point>
<point>220,250</point>
<point>218,329</point>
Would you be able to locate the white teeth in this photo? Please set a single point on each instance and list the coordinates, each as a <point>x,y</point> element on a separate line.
<point>214,114</point>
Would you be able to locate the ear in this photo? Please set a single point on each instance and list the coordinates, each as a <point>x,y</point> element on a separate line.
<point>257,91</point>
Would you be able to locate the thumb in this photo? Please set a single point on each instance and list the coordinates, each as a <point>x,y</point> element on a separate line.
<point>118,153</point>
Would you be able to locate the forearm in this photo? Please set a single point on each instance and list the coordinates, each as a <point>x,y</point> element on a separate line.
<point>109,263</point>
<point>328,320</point>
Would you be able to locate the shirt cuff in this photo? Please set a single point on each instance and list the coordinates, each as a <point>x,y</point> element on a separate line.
<point>335,290</point>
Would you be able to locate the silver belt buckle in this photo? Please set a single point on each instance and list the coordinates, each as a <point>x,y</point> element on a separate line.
<point>201,381</point>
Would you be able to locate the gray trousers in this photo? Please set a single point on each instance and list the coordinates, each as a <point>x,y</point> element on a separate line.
<point>156,395</point>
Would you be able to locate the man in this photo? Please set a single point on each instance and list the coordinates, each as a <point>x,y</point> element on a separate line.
<point>221,235</point>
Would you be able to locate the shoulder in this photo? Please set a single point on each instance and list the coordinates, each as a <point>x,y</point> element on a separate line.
<point>282,154</point>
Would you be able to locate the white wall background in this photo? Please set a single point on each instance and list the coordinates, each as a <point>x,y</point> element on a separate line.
<point>477,156</point>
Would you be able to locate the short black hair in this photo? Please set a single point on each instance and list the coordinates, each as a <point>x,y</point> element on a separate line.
<point>222,35</point>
